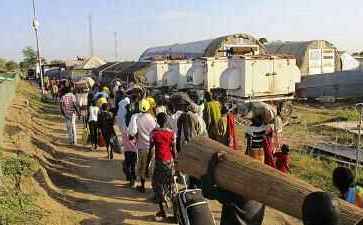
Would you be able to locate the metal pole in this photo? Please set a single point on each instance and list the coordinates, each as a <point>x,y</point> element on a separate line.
<point>90,35</point>
<point>38,49</point>
<point>359,107</point>
<point>116,45</point>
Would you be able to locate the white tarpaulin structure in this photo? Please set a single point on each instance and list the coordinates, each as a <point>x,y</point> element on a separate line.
<point>312,57</point>
<point>349,62</point>
<point>242,44</point>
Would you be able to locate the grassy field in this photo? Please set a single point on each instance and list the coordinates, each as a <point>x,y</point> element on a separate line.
<point>305,129</point>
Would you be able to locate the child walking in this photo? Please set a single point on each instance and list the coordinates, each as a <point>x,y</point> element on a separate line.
<point>282,159</point>
<point>165,151</point>
<point>105,123</point>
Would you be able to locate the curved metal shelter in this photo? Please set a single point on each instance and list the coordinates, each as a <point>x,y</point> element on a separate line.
<point>312,57</point>
<point>235,44</point>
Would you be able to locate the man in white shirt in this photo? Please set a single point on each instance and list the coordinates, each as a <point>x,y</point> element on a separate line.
<point>140,127</point>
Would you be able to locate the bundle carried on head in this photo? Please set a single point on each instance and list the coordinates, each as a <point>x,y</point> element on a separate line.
<point>255,110</point>
<point>181,98</point>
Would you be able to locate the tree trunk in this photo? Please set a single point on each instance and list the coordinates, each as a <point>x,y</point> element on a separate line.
<point>253,180</point>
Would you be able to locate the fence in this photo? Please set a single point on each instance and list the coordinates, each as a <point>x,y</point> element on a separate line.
<point>7,92</point>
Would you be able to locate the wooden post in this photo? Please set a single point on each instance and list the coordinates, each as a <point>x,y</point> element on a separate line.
<point>253,180</point>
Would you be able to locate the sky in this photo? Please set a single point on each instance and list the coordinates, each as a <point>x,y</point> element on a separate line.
<point>141,24</point>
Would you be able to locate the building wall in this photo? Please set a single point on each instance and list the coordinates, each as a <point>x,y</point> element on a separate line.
<point>78,73</point>
<point>339,84</point>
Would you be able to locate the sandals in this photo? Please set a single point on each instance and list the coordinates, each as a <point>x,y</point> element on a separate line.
<point>160,216</point>
<point>140,189</point>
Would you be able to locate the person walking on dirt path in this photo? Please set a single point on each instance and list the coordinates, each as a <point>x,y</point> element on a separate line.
<point>282,159</point>
<point>140,127</point>
<point>212,114</point>
<point>69,110</point>
<point>255,135</point>
<point>105,124</point>
<point>54,90</point>
<point>93,112</point>
<point>129,146</point>
<point>163,139</point>
<point>188,126</point>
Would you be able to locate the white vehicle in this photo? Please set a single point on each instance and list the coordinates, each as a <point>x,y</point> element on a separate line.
<point>240,79</point>
<point>244,77</point>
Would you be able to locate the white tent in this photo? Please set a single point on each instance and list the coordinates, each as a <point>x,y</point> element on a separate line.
<point>349,62</point>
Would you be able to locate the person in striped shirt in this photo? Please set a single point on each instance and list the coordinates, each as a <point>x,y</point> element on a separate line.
<point>69,110</point>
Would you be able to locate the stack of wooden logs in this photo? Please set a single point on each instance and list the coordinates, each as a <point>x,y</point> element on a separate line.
<point>253,180</point>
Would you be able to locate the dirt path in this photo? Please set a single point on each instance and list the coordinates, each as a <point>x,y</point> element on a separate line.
<point>82,181</point>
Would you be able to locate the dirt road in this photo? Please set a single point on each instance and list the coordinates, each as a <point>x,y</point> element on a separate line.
<point>75,180</point>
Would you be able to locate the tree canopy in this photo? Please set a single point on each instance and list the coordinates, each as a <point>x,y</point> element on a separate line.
<point>29,56</point>
<point>2,64</point>
<point>11,65</point>
<point>7,66</point>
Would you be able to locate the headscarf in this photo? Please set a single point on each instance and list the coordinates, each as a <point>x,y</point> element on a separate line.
<point>144,105</point>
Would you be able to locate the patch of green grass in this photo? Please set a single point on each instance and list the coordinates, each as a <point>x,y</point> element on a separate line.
<point>18,209</point>
<point>348,114</point>
<point>314,171</point>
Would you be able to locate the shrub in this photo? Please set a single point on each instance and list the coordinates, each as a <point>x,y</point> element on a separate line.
<point>18,209</point>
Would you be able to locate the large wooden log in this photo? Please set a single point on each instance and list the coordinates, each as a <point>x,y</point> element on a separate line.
<point>242,175</point>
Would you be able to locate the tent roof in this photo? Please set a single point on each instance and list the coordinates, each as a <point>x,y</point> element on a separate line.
<point>91,63</point>
<point>349,62</point>
<point>102,67</point>
<point>205,48</point>
<point>296,48</point>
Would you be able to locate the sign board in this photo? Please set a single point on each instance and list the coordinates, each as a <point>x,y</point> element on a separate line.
<point>328,61</point>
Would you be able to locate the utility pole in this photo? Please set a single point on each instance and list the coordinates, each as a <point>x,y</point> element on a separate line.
<point>116,45</point>
<point>39,60</point>
<point>90,35</point>
<point>359,108</point>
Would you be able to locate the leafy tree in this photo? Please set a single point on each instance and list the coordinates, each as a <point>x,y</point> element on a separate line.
<point>2,64</point>
<point>29,58</point>
<point>11,65</point>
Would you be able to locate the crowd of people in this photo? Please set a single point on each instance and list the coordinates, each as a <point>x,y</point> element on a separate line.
<point>154,128</point>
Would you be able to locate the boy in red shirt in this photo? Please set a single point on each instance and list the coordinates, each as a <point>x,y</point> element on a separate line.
<point>165,151</point>
<point>282,159</point>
